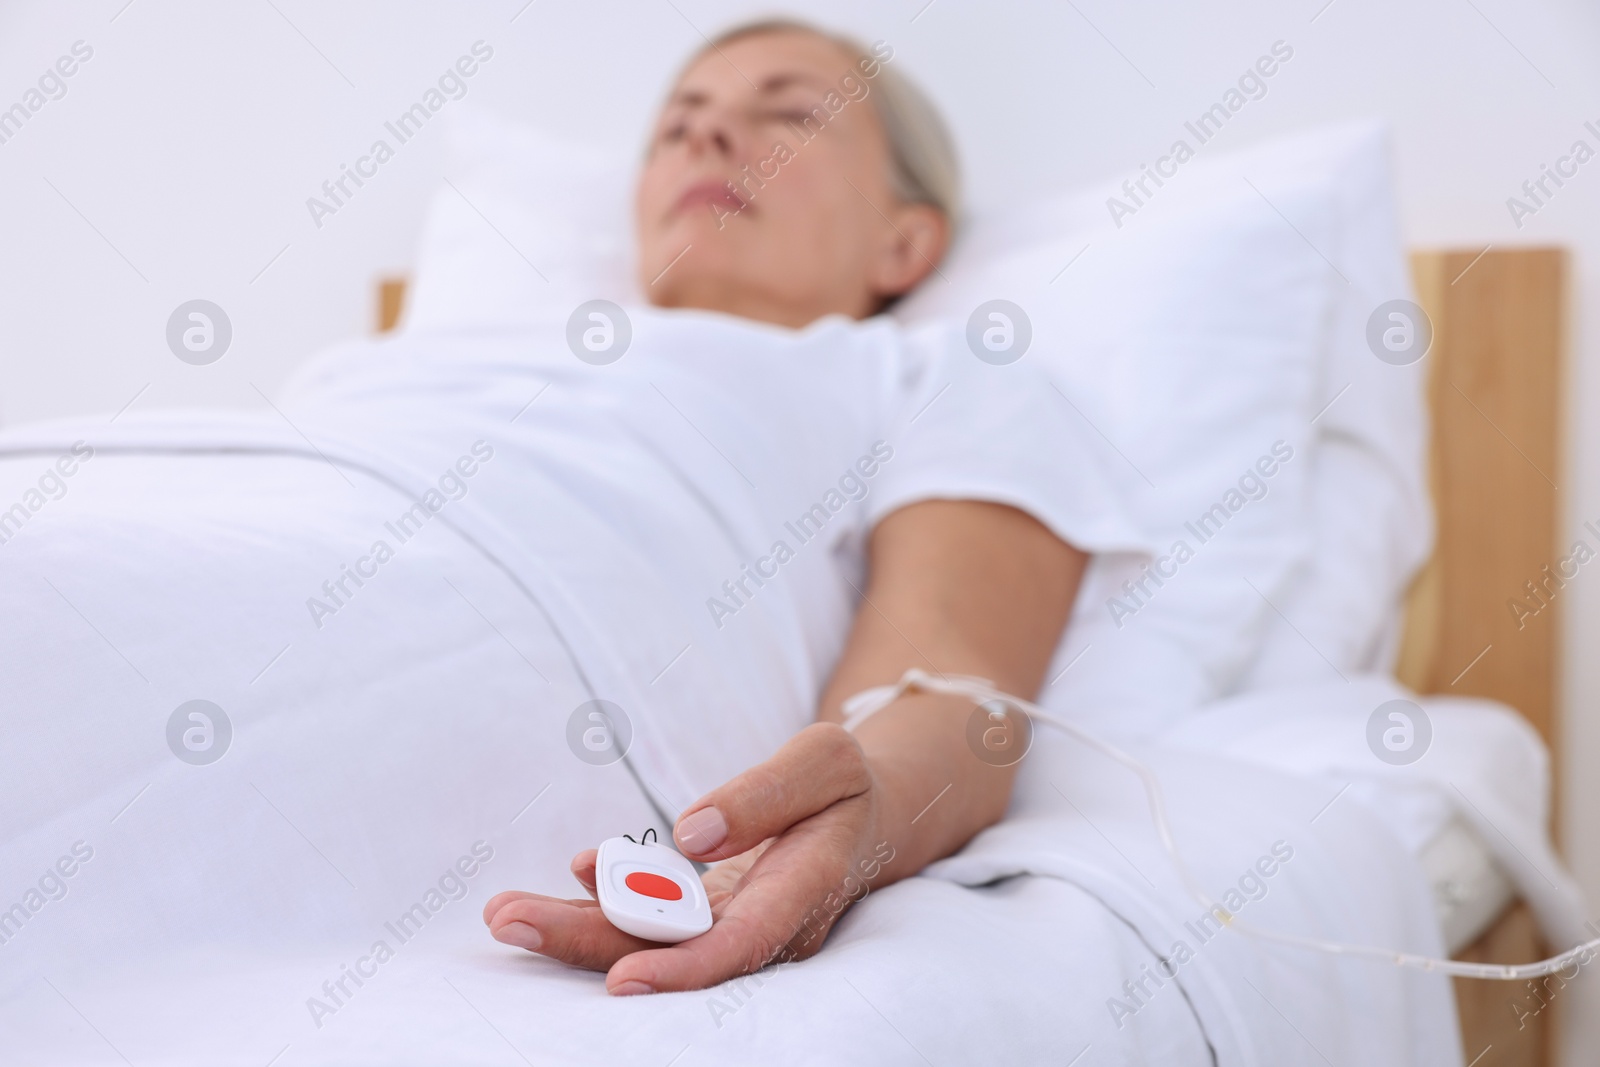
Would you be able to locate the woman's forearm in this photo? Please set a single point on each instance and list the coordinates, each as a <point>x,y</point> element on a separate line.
<point>955,587</point>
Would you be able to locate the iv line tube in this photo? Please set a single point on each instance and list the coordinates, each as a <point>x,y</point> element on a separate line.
<point>859,708</point>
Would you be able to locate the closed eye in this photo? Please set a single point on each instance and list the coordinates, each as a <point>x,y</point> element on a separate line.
<point>796,115</point>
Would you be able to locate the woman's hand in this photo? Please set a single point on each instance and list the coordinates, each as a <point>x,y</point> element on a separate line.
<point>958,586</point>
<point>795,840</point>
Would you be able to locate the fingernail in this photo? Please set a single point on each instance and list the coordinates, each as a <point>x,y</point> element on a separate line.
<point>521,935</point>
<point>631,988</point>
<point>703,831</point>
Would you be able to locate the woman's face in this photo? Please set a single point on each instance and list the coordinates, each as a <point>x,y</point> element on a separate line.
<point>811,226</point>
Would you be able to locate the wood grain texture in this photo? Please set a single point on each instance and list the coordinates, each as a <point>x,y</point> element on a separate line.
<point>391,301</point>
<point>1494,395</point>
<point>1507,1024</point>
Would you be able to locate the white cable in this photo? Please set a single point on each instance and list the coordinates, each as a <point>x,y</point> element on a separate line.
<point>860,707</point>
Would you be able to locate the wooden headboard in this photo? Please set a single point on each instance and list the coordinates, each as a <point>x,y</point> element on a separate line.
<point>1495,387</point>
<point>1494,377</point>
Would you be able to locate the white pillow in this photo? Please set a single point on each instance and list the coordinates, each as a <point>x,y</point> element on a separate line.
<point>1373,513</point>
<point>525,222</point>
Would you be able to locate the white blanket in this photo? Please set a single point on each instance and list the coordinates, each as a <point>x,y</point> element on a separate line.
<point>380,751</point>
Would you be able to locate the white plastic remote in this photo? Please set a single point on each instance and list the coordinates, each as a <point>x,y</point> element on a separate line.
<point>650,891</point>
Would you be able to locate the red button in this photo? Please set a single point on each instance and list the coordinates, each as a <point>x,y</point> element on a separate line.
<point>653,885</point>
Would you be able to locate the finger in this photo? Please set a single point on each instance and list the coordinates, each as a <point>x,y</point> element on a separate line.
<point>583,868</point>
<point>786,896</point>
<point>572,931</point>
<point>732,947</point>
<point>818,767</point>
<point>499,900</point>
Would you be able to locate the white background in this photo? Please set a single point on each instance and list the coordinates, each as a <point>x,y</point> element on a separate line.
<point>179,163</point>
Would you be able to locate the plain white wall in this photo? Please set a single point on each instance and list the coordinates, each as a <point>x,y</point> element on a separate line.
<point>179,161</point>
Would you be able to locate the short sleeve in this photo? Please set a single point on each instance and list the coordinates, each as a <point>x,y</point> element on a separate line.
<point>971,430</point>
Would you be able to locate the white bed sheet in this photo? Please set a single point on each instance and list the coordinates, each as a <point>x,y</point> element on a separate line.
<point>365,760</point>
<point>899,984</point>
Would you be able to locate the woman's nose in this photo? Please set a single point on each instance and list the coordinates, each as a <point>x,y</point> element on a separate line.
<point>714,132</point>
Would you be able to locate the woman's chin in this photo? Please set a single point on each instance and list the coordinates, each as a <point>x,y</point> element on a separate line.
<point>701,275</point>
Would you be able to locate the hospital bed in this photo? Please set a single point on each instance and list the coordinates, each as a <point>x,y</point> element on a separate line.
<point>1499,320</point>
<point>1496,376</point>
<point>324,852</point>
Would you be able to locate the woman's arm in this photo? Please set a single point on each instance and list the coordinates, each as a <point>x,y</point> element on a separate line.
<point>955,587</point>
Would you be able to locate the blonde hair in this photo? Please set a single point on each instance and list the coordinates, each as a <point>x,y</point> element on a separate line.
<point>923,165</point>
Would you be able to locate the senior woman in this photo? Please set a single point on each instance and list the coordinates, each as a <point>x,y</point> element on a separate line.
<point>857,215</point>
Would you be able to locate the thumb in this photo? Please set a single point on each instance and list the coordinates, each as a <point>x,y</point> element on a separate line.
<point>815,769</point>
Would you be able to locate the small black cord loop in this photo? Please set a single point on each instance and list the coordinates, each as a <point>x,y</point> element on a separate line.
<point>648,834</point>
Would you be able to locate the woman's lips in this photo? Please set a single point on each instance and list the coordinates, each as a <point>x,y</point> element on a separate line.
<point>718,194</point>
